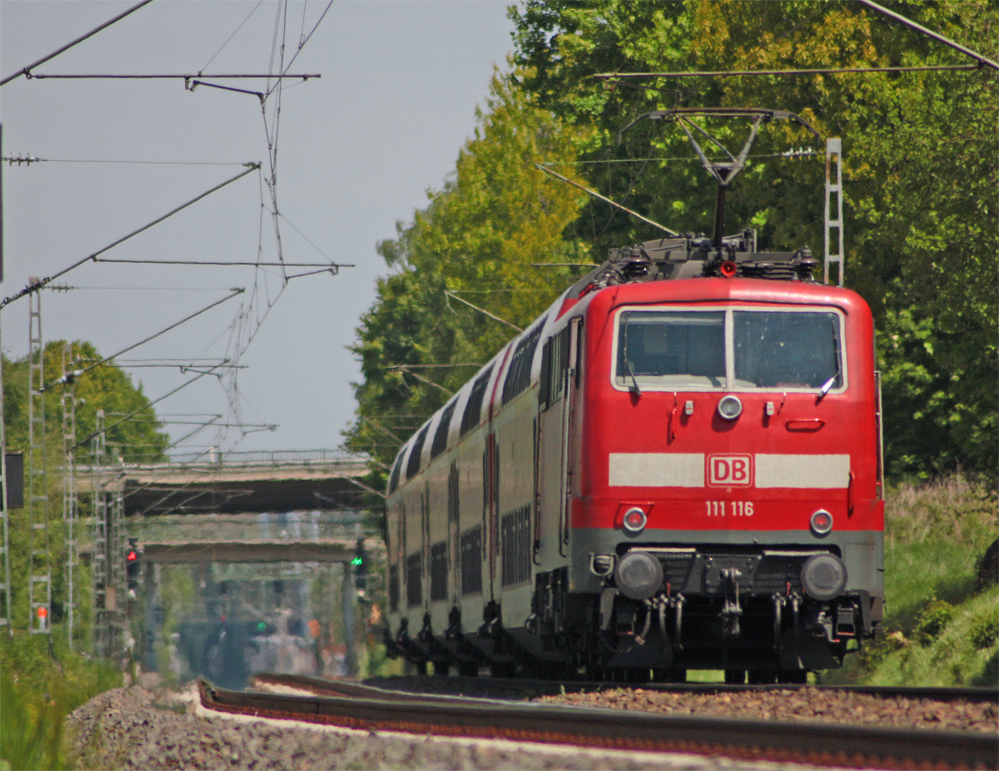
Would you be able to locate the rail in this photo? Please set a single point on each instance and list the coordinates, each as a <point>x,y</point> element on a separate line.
<point>361,707</point>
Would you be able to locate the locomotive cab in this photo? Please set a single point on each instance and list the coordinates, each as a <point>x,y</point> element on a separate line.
<point>729,509</point>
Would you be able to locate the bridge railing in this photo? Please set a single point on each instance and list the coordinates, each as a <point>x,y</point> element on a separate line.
<point>268,458</point>
<point>257,459</point>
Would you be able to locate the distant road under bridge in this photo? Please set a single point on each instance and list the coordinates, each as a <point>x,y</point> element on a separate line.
<point>326,550</point>
<point>238,482</point>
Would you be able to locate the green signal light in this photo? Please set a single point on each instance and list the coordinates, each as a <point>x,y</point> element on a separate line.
<point>261,626</point>
<point>356,561</point>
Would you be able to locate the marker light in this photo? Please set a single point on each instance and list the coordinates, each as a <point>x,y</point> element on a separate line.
<point>822,522</point>
<point>635,520</point>
<point>728,269</point>
<point>730,407</point>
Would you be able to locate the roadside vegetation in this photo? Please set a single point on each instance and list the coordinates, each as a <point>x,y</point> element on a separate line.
<point>942,612</point>
<point>39,685</point>
<point>38,689</point>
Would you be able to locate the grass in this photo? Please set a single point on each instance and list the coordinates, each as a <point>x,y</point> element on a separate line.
<point>37,692</point>
<point>941,629</point>
<point>952,645</point>
<point>934,535</point>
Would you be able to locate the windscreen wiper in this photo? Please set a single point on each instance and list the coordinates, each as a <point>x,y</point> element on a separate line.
<point>631,370</point>
<point>827,386</point>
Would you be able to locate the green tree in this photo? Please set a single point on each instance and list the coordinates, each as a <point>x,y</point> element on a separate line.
<point>477,239</point>
<point>136,437</point>
<point>920,171</point>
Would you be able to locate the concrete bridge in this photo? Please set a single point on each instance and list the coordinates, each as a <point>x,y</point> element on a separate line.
<point>237,482</point>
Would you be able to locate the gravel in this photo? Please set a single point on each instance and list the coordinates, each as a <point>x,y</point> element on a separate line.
<point>805,704</point>
<point>784,704</point>
<point>137,728</point>
<point>145,727</point>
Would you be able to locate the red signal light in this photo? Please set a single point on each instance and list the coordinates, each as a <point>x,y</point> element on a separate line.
<point>132,556</point>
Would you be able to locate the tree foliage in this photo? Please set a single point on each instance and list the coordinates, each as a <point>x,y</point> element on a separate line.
<point>475,242</point>
<point>136,437</point>
<point>920,168</point>
<point>132,428</point>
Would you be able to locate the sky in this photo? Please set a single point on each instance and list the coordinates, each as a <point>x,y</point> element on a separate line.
<point>356,152</point>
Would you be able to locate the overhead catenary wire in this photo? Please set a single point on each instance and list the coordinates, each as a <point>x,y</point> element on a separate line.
<point>169,76</point>
<point>181,367</point>
<point>983,61</point>
<point>424,366</point>
<point>804,152</point>
<point>65,288</point>
<point>481,310</point>
<point>818,71</point>
<point>615,204</point>
<point>221,263</point>
<point>403,368</point>
<point>27,160</point>
<point>302,42</point>
<point>26,71</point>
<point>235,293</point>
<point>146,406</point>
<point>229,39</point>
<point>41,283</point>
<point>254,312</point>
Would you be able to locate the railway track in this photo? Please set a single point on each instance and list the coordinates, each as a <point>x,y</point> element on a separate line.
<point>351,705</point>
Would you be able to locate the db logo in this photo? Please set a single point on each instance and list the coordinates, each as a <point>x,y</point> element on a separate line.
<point>730,470</point>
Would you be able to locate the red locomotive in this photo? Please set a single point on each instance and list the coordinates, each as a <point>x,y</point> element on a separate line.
<point>676,467</point>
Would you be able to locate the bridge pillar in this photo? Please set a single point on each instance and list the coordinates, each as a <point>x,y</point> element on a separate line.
<point>153,607</point>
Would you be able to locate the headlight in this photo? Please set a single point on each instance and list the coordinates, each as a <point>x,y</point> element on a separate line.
<point>823,576</point>
<point>638,575</point>
<point>730,407</point>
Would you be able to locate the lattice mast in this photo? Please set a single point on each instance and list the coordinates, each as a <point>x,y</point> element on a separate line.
<point>5,617</point>
<point>834,201</point>
<point>40,571</point>
<point>102,619</point>
<point>70,497</point>
<point>117,542</point>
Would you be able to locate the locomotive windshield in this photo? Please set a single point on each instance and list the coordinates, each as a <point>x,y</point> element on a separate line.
<point>741,349</point>
<point>675,349</point>
<point>786,350</point>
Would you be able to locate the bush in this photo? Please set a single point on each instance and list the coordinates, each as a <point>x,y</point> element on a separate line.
<point>934,535</point>
<point>984,629</point>
<point>933,620</point>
